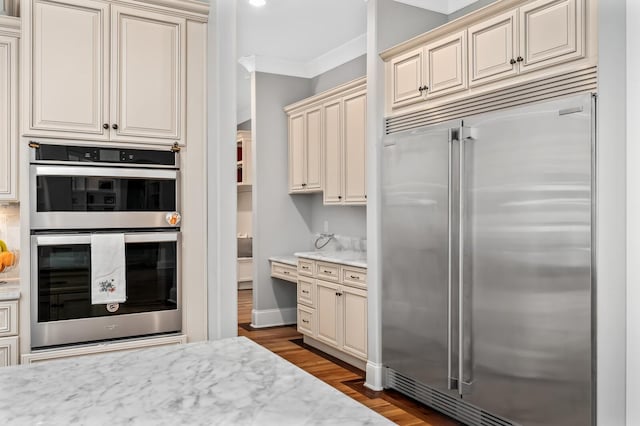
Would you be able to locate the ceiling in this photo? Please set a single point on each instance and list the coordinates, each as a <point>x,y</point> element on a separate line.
<point>305,38</point>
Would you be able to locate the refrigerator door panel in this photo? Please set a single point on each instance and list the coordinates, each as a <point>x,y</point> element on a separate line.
<point>526,305</point>
<point>416,260</point>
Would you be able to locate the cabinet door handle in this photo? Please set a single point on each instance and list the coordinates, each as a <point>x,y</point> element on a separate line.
<point>520,59</point>
<point>512,61</point>
<point>105,126</point>
<point>114,126</point>
<point>304,184</point>
<point>339,197</point>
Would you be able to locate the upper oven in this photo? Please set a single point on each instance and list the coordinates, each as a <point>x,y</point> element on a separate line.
<point>77,187</point>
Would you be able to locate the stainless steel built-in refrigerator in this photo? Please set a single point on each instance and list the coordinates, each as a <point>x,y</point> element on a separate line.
<point>487,232</point>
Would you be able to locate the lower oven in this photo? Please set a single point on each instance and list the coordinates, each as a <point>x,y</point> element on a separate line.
<point>61,308</point>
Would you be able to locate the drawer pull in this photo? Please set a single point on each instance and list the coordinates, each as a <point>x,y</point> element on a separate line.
<point>305,321</point>
<point>327,272</point>
<point>305,267</point>
<point>355,277</point>
<point>286,272</point>
<point>305,291</point>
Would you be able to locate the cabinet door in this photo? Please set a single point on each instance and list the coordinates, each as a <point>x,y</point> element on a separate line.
<point>69,57</point>
<point>333,152</point>
<point>313,146</point>
<point>8,351</point>
<point>492,45</point>
<point>447,65</point>
<point>355,123</point>
<point>551,31</point>
<point>148,66</point>
<point>407,76</point>
<point>355,321</point>
<point>327,313</point>
<point>8,118</point>
<point>296,152</point>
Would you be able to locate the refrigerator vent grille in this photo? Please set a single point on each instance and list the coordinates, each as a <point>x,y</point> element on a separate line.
<point>452,407</point>
<point>540,90</point>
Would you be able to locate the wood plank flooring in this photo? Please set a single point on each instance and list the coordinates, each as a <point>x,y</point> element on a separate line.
<point>287,342</point>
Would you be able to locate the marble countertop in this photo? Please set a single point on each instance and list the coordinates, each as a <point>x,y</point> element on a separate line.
<point>9,289</point>
<point>351,258</point>
<point>225,382</point>
<point>288,260</point>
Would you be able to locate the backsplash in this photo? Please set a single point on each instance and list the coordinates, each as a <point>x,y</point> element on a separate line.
<point>10,233</point>
<point>340,243</point>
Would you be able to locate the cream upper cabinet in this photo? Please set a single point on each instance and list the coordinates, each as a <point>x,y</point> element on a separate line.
<point>354,304</point>
<point>551,31</point>
<point>69,57</point>
<point>105,72</point>
<point>492,49</point>
<point>446,61</point>
<point>8,118</point>
<point>327,313</point>
<point>148,65</point>
<point>407,78</point>
<point>354,166</point>
<point>333,152</point>
<point>313,147</point>
<point>296,152</point>
<point>305,151</point>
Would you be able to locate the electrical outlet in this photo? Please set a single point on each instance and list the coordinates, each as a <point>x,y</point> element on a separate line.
<point>326,226</point>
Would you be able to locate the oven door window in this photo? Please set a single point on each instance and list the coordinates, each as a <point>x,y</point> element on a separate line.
<point>64,277</point>
<point>104,194</point>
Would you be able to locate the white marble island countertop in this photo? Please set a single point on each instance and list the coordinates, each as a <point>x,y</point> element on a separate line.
<point>225,382</point>
<point>346,257</point>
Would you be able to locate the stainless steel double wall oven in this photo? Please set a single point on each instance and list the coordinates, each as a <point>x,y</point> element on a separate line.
<point>77,191</point>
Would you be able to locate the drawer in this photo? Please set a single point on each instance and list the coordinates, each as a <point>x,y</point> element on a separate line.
<point>306,320</point>
<point>328,271</point>
<point>9,318</point>
<point>307,291</point>
<point>356,277</point>
<point>284,272</point>
<point>305,267</point>
<point>8,351</point>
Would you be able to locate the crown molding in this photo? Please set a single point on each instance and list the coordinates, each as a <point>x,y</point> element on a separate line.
<point>442,6</point>
<point>350,50</point>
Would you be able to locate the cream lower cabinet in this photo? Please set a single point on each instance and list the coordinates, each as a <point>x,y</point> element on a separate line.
<point>8,333</point>
<point>9,108</point>
<point>334,312</point>
<point>101,71</point>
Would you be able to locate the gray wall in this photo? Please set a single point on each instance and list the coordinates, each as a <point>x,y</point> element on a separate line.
<point>281,222</point>
<point>343,220</point>
<point>245,125</point>
<point>348,71</point>
<point>475,6</point>
<point>398,22</point>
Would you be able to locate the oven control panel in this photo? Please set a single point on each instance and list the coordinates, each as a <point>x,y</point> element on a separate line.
<point>86,154</point>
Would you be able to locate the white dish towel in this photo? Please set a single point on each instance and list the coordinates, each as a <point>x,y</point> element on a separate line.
<point>108,277</point>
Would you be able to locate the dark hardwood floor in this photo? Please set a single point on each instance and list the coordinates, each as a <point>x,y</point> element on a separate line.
<point>287,342</point>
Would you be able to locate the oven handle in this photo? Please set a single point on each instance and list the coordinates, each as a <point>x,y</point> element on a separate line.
<point>138,237</point>
<point>105,172</point>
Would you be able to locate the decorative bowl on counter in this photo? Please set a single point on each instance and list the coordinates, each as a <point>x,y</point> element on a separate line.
<point>8,258</point>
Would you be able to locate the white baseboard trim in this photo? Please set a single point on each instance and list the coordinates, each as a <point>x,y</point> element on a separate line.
<point>273,317</point>
<point>374,376</point>
<point>245,285</point>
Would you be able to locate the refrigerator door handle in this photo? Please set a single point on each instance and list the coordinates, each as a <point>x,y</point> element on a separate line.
<point>452,382</point>
<point>466,374</point>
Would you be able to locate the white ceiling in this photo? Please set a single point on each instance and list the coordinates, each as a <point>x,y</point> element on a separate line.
<point>305,38</point>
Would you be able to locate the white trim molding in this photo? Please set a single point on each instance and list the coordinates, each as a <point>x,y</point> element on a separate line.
<point>374,376</point>
<point>273,317</point>
<point>441,6</point>
<point>342,54</point>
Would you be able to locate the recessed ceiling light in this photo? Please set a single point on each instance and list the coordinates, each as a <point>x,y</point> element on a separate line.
<point>257,3</point>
